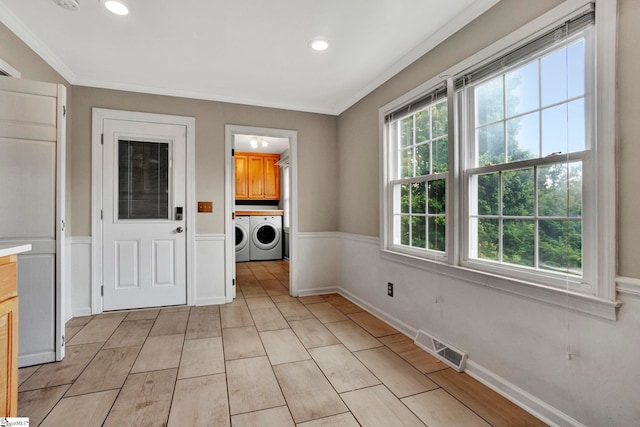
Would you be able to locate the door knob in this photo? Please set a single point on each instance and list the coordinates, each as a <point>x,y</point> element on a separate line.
<point>179,230</point>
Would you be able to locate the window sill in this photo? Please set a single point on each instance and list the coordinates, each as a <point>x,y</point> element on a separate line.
<point>582,303</point>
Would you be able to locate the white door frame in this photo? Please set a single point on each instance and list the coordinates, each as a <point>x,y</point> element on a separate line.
<point>98,117</point>
<point>229,202</point>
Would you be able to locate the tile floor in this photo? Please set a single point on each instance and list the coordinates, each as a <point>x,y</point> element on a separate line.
<point>265,360</point>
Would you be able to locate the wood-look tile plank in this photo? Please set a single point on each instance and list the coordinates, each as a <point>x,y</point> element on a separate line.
<point>86,410</point>
<point>326,313</point>
<point>36,404</point>
<point>294,310</point>
<point>340,420</point>
<point>144,400</point>
<point>394,372</point>
<point>279,417</point>
<point>240,343</point>
<point>277,298</point>
<point>252,385</point>
<point>64,372</point>
<point>342,368</point>
<point>142,314</point>
<point>111,315</point>
<point>130,333</point>
<point>97,330</point>
<point>239,301</point>
<point>204,322</point>
<point>349,308</point>
<point>309,395</point>
<point>404,347</point>
<point>280,292</point>
<point>71,331</point>
<point>201,357</point>
<point>336,299</point>
<point>235,317</point>
<point>107,371</point>
<point>260,302</point>
<point>264,275</point>
<point>372,324</point>
<point>353,336</point>
<point>79,321</point>
<point>313,299</point>
<point>268,319</point>
<point>200,401</point>
<point>170,323</point>
<point>438,408</point>
<point>175,308</point>
<point>25,373</point>
<point>488,404</point>
<point>312,333</point>
<point>253,291</point>
<point>283,346</point>
<point>271,284</point>
<point>376,406</point>
<point>161,352</point>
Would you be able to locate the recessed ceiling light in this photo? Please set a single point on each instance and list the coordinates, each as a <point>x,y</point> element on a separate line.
<point>319,44</point>
<point>119,7</point>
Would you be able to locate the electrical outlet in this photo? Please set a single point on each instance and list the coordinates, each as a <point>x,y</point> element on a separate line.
<point>390,289</point>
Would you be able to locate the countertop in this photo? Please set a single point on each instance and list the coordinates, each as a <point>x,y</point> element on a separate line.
<point>260,213</point>
<point>7,250</point>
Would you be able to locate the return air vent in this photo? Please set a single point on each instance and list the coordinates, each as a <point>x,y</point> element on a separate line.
<point>68,4</point>
<point>445,352</point>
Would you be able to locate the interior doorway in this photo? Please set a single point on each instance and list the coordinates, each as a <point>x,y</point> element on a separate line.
<point>275,198</point>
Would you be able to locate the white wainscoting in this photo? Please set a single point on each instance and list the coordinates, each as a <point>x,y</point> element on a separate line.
<point>209,272</point>
<point>316,260</point>
<point>78,277</point>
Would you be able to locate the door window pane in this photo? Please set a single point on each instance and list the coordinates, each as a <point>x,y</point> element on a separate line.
<point>143,180</point>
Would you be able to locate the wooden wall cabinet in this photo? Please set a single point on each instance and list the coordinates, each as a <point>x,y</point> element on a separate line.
<point>257,176</point>
<point>8,337</point>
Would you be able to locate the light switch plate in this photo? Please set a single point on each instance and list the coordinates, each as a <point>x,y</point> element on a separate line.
<point>206,207</point>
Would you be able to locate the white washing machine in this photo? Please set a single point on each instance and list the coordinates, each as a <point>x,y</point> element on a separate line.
<point>243,230</point>
<point>266,237</point>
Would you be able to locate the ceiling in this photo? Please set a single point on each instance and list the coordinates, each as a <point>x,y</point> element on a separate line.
<point>246,51</point>
<point>273,144</point>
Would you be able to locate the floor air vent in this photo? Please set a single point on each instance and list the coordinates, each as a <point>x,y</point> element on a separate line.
<point>445,352</point>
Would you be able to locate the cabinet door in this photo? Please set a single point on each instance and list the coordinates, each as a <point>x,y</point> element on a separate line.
<point>256,173</point>
<point>242,183</point>
<point>9,358</point>
<point>271,178</point>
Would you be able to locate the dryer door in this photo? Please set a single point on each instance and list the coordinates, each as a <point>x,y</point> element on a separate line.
<point>241,238</point>
<point>266,236</point>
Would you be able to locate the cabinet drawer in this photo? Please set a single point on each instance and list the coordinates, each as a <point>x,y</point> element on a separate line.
<point>8,286</point>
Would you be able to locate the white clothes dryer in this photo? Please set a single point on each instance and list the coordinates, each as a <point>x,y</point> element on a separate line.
<point>243,230</point>
<point>266,237</point>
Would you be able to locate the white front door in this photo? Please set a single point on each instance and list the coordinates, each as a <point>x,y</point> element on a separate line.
<point>143,214</point>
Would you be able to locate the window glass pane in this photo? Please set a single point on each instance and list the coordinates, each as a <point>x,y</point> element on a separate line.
<point>404,198</point>
<point>404,230</point>
<point>518,243</point>
<point>440,119</point>
<point>523,135</point>
<point>489,101</point>
<point>553,198</point>
<point>554,130</point>
<point>518,192</point>
<point>522,89</point>
<point>554,77</point>
<point>437,195</point>
<point>488,239</point>
<point>576,126</point>
<point>418,201</point>
<point>440,150</point>
<point>422,126</point>
<point>423,159</point>
<point>488,194</point>
<point>491,144</point>
<point>419,232</point>
<point>561,246</point>
<point>143,180</point>
<point>406,163</point>
<point>575,54</point>
<point>406,131</point>
<point>437,228</point>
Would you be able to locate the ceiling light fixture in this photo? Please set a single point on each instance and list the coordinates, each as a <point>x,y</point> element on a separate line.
<point>119,7</point>
<point>254,143</point>
<point>264,143</point>
<point>319,44</point>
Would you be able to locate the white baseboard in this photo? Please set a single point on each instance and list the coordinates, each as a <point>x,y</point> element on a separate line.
<point>211,301</point>
<point>81,312</point>
<point>318,291</point>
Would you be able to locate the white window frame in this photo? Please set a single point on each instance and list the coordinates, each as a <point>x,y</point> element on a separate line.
<point>600,299</point>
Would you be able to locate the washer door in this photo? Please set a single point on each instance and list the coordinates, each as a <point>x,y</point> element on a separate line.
<point>241,238</point>
<point>266,236</point>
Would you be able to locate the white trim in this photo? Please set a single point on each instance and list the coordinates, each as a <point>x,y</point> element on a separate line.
<point>61,249</point>
<point>81,312</point>
<point>98,117</point>
<point>628,286</point>
<point>319,291</point>
<point>317,234</point>
<point>8,69</point>
<point>211,301</point>
<point>229,201</point>
<point>210,237</point>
